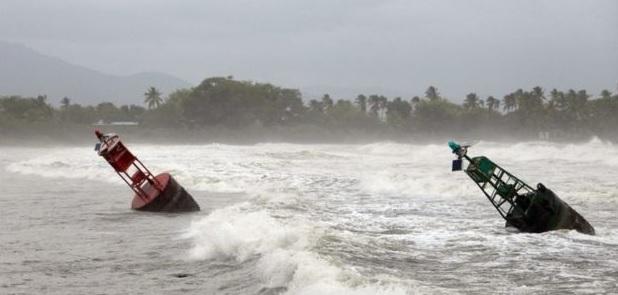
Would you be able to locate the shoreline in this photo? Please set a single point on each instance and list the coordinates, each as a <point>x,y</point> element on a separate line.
<point>303,134</point>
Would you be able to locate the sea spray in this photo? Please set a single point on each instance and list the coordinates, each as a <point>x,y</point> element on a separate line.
<point>283,251</point>
<point>349,217</point>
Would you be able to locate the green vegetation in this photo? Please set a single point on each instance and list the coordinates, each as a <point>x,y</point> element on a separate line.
<point>236,105</point>
<point>153,98</point>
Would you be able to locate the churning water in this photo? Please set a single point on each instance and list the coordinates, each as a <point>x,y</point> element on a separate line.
<point>382,218</point>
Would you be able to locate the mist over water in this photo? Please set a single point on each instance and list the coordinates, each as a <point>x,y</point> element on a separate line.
<point>382,218</point>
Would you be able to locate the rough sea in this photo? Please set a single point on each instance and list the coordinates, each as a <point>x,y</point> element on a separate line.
<point>382,218</point>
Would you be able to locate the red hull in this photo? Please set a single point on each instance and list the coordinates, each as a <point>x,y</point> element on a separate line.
<point>173,198</point>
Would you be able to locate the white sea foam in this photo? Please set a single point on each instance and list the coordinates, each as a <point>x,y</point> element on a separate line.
<point>235,233</point>
<point>371,203</point>
<point>419,171</point>
<point>377,168</point>
<point>283,251</point>
<point>63,163</point>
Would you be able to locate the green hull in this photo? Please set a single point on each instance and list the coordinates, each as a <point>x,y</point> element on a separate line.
<point>544,211</point>
<point>527,209</point>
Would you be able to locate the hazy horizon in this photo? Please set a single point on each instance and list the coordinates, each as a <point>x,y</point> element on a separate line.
<point>396,48</point>
<point>189,146</point>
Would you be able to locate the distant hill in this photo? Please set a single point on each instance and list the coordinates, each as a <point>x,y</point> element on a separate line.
<point>26,72</point>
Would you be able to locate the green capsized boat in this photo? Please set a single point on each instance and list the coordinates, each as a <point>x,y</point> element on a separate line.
<point>523,207</point>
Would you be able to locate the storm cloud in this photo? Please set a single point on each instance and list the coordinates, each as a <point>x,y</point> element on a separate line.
<point>342,47</point>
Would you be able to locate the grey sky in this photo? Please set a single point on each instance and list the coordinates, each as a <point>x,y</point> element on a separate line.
<point>346,47</point>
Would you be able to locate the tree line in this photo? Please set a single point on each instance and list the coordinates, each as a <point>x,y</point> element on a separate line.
<point>229,103</point>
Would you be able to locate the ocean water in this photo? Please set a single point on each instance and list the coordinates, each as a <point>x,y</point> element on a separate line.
<point>382,218</point>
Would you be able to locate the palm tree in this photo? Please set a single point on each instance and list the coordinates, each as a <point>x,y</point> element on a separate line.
<point>471,101</point>
<point>538,92</point>
<point>510,103</point>
<point>571,102</point>
<point>65,102</point>
<point>361,100</point>
<point>559,99</point>
<point>153,98</point>
<point>315,105</point>
<point>382,101</point>
<point>581,102</point>
<point>492,103</point>
<point>414,102</point>
<point>399,107</point>
<point>432,93</point>
<point>41,99</point>
<point>327,102</point>
<point>374,101</point>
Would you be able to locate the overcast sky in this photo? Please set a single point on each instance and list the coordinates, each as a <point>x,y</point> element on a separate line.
<point>489,47</point>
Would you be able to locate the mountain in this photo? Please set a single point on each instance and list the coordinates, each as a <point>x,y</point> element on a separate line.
<point>26,72</point>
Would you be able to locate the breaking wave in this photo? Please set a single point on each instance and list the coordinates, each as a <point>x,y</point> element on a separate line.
<point>283,252</point>
<point>382,218</point>
<point>379,167</point>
